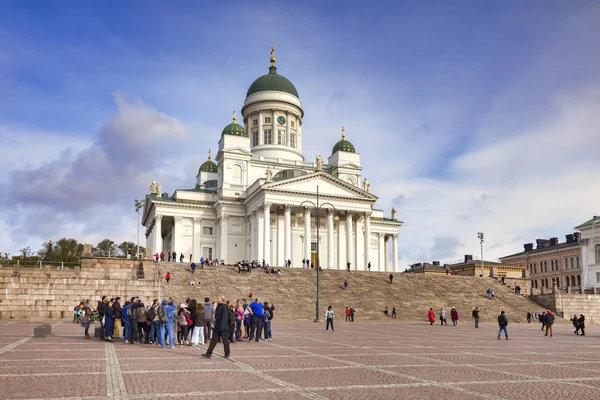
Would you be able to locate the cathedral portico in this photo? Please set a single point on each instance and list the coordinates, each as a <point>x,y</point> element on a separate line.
<point>257,200</point>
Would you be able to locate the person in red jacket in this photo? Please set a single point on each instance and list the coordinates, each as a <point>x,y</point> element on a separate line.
<point>431,316</point>
<point>168,276</point>
<point>454,316</point>
<point>347,314</point>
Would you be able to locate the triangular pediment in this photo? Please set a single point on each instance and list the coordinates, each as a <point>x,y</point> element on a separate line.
<point>328,186</point>
<point>234,150</point>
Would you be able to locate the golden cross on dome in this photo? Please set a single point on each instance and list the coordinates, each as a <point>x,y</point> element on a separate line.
<point>234,118</point>
<point>208,154</point>
<point>272,56</point>
<point>343,135</point>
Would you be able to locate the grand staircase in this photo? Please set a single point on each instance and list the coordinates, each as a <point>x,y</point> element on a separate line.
<point>294,292</point>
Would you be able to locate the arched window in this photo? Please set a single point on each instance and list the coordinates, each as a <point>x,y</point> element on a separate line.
<point>573,280</point>
<point>236,175</point>
<point>578,280</point>
<point>567,281</point>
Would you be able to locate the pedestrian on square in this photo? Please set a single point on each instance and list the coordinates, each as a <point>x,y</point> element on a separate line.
<point>581,325</point>
<point>329,319</point>
<point>528,317</point>
<point>352,312</point>
<point>221,329</point>
<point>386,311</point>
<point>197,316</point>
<point>454,316</point>
<point>543,320</point>
<point>256,309</point>
<point>109,322</point>
<point>118,314</point>
<point>394,312</point>
<point>431,316</point>
<point>475,315</point>
<point>549,323</point>
<point>443,317</point>
<point>347,314</point>
<point>503,324</point>
<point>102,304</point>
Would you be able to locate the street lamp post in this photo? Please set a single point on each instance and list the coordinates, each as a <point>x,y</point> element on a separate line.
<point>139,204</point>
<point>480,236</point>
<point>317,207</point>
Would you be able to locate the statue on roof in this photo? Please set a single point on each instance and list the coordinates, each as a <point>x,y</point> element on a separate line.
<point>269,174</point>
<point>366,185</point>
<point>393,212</point>
<point>158,189</point>
<point>153,187</point>
<point>319,162</point>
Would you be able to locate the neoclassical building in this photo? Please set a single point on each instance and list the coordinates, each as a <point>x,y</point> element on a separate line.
<point>258,199</point>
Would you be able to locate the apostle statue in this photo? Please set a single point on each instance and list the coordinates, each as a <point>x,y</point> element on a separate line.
<point>319,162</point>
<point>153,187</point>
<point>393,212</point>
<point>366,185</point>
<point>158,189</point>
<point>269,174</point>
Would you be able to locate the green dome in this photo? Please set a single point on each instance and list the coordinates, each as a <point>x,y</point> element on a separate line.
<point>208,166</point>
<point>343,145</point>
<point>234,129</point>
<point>272,81</point>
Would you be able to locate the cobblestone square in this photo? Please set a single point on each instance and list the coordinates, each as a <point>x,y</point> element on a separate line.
<point>360,360</point>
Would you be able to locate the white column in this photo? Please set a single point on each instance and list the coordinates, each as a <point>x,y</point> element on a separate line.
<point>307,240</point>
<point>280,232</point>
<point>224,236</point>
<point>367,239</point>
<point>260,236</point>
<point>253,235</point>
<point>349,252</point>
<point>381,263</point>
<point>267,232</point>
<point>359,245</point>
<point>341,247</point>
<point>196,245</point>
<point>286,140</point>
<point>386,250</point>
<point>287,232</point>
<point>330,239</point>
<point>274,126</point>
<point>158,246</point>
<point>176,233</point>
<point>395,252</point>
<point>260,128</point>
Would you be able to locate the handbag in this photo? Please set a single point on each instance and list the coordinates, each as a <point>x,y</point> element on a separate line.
<point>84,321</point>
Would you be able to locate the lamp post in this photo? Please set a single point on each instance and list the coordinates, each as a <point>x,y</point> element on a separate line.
<point>317,207</point>
<point>480,236</point>
<point>139,204</point>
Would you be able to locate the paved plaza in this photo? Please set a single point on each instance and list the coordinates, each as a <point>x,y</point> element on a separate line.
<point>361,360</point>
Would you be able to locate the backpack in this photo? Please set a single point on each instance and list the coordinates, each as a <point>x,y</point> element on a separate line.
<point>162,314</point>
<point>150,314</point>
<point>129,311</point>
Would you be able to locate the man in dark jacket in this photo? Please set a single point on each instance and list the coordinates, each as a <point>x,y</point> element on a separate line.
<point>101,311</point>
<point>549,323</point>
<point>117,312</point>
<point>221,329</point>
<point>503,324</point>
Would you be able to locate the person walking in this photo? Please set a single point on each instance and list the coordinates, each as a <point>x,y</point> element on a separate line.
<point>168,276</point>
<point>549,323</point>
<point>431,316</point>
<point>329,319</point>
<point>443,317</point>
<point>391,278</point>
<point>347,314</point>
<point>394,312</point>
<point>475,315</point>
<point>221,329</point>
<point>581,325</point>
<point>454,316</point>
<point>503,325</point>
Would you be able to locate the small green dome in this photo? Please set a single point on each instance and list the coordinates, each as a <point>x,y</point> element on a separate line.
<point>234,129</point>
<point>343,145</point>
<point>272,81</point>
<point>208,166</point>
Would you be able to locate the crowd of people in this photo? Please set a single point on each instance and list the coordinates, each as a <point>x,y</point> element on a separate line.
<point>167,324</point>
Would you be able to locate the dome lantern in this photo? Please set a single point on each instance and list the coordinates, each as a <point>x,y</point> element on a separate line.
<point>234,128</point>
<point>208,166</point>
<point>343,145</point>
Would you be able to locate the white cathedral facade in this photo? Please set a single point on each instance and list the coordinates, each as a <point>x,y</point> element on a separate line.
<point>258,200</point>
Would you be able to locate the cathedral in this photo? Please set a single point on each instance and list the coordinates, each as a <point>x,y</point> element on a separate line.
<point>259,199</point>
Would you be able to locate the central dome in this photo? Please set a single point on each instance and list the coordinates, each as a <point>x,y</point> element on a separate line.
<point>272,81</point>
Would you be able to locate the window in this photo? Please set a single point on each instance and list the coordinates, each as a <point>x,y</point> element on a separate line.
<point>207,230</point>
<point>572,281</point>
<point>207,252</point>
<point>552,265</point>
<point>254,138</point>
<point>578,280</point>
<point>566,263</point>
<point>267,120</point>
<point>255,122</point>
<point>268,137</point>
<point>293,140</point>
<point>293,124</point>
<point>545,266</point>
<point>280,136</point>
<point>597,276</point>
<point>236,175</point>
<point>578,264</point>
<point>572,262</point>
<point>313,247</point>
<point>598,254</point>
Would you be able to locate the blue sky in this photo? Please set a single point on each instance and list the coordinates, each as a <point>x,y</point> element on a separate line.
<point>468,115</point>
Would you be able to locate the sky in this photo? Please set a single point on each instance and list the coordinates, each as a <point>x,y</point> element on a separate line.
<point>469,116</point>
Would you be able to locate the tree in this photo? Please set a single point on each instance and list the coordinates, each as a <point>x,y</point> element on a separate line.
<point>106,248</point>
<point>25,252</point>
<point>125,248</point>
<point>65,250</point>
